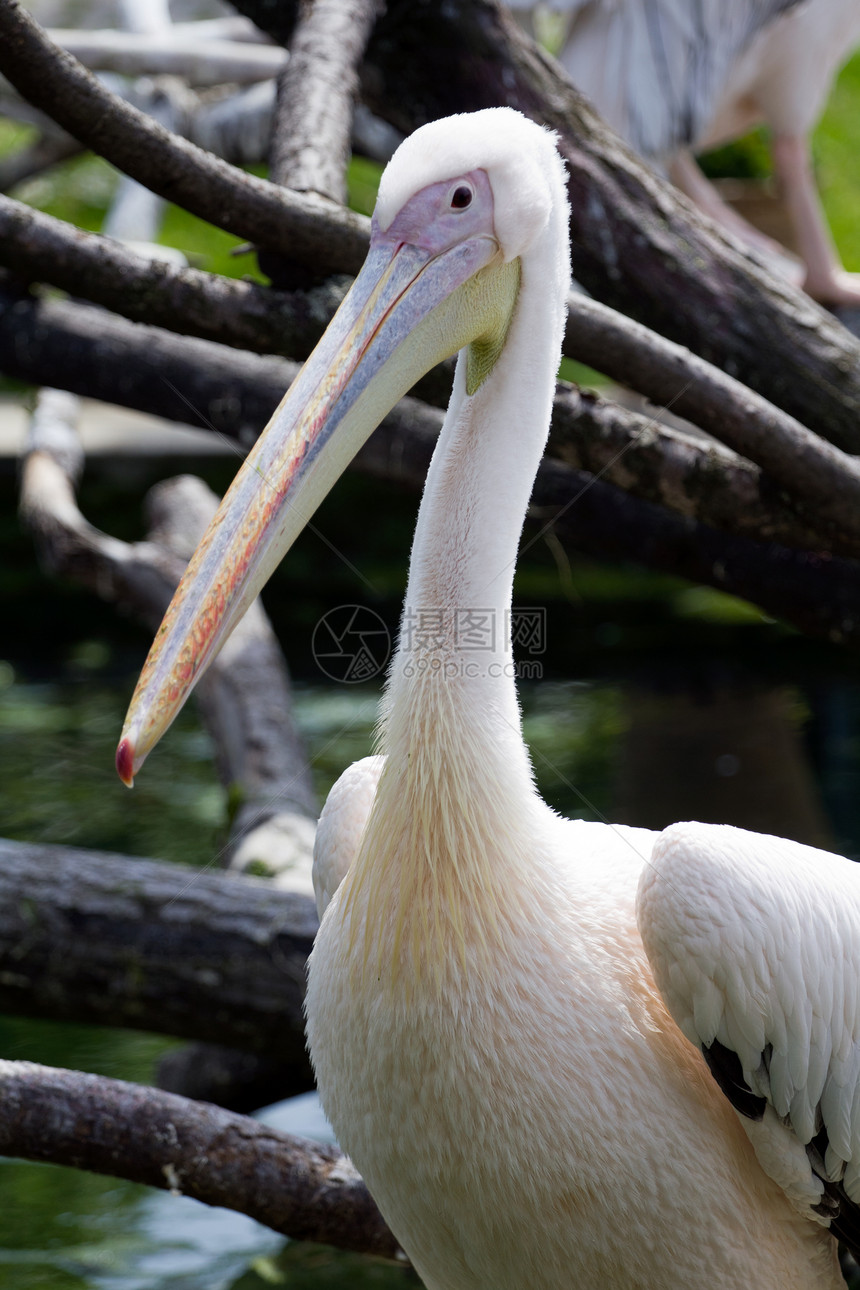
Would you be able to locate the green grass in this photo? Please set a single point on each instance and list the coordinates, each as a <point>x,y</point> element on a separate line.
<point>746,158</point>
<point>14,135</point>
<point>836,156</point>
<point>836,149</point>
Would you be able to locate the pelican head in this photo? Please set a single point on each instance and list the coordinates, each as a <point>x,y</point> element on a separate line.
<point>460,203</point>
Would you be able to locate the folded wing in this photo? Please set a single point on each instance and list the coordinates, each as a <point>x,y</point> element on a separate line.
<point>754,942</point>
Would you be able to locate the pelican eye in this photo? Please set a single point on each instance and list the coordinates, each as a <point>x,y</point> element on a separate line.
<point>461,197</point>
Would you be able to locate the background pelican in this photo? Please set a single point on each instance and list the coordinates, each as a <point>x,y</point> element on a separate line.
<point>489,1013</point>
<point>678,76</point>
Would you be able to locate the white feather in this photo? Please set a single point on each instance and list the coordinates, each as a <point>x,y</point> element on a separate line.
<point>341,826</point>
<point>489,1042</point>
<point>781,955</point>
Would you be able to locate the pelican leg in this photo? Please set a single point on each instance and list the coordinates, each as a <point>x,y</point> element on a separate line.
<point>686,174</point>
<point>825,280</point>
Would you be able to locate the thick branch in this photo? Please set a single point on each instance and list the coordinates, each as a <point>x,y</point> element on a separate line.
<point>814,472</point>
<point>84,350</point>
<point>628,448</point>
<point>232,27</point>
<point>696,479</point>
<point>101,269</point>
<point>297,225</point>
<point>305,1190</point>
<point>108,940</point>
<point>635,241</point>
<point>316,93</point>
<point>816,593</point>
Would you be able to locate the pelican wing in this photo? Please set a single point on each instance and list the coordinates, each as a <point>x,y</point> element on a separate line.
<point>341,826</point>
<point>754,942</point>
<point>655,69</point>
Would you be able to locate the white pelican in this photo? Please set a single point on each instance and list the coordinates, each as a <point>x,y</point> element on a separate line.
<point>507,1039</point>
<point>673,76</point>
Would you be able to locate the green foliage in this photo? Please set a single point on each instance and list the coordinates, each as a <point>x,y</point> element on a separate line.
<point>579,374</point>
<point>78,190</point>
<point>14,136</point>
<point>207,247</point>
<point>836,150</point>
<point>362,182</point>
<point>746,158</point>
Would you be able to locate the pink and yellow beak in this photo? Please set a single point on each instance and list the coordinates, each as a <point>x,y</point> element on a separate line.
<point>410,306</point>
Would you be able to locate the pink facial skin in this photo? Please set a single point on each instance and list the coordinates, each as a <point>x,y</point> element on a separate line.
<point>442,215</point>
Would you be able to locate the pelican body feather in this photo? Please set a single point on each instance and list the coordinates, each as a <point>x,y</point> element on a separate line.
<point>510,1051</point>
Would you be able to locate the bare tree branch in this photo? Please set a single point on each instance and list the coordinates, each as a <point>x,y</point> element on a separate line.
<point>625,447</point>
<point>185,53</point>
<point>236,126</point>
<point>692,477</point>
<point>815,592</point>
<point>814,472</point>
<point>811,590</point>
<point>245,701</point>
<point>89,352</point>
<point>234,390</point>
<point>297,225</point>
<point>305,1190</point>
<point>108,940</point>
<point>290,322</point>
<point>188,300</point>
<point>230,27</point>
<point>316,93</point>
<point>795,354</point>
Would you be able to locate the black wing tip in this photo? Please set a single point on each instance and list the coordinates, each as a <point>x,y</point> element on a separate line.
<point>843,1213</point>
<point>725,1066</point>
<point>835,1204</point>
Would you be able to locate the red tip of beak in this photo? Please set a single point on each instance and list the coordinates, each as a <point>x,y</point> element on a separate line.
<point>125,762</point>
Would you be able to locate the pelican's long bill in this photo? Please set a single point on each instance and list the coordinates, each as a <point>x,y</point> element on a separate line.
<point>410,306</point>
